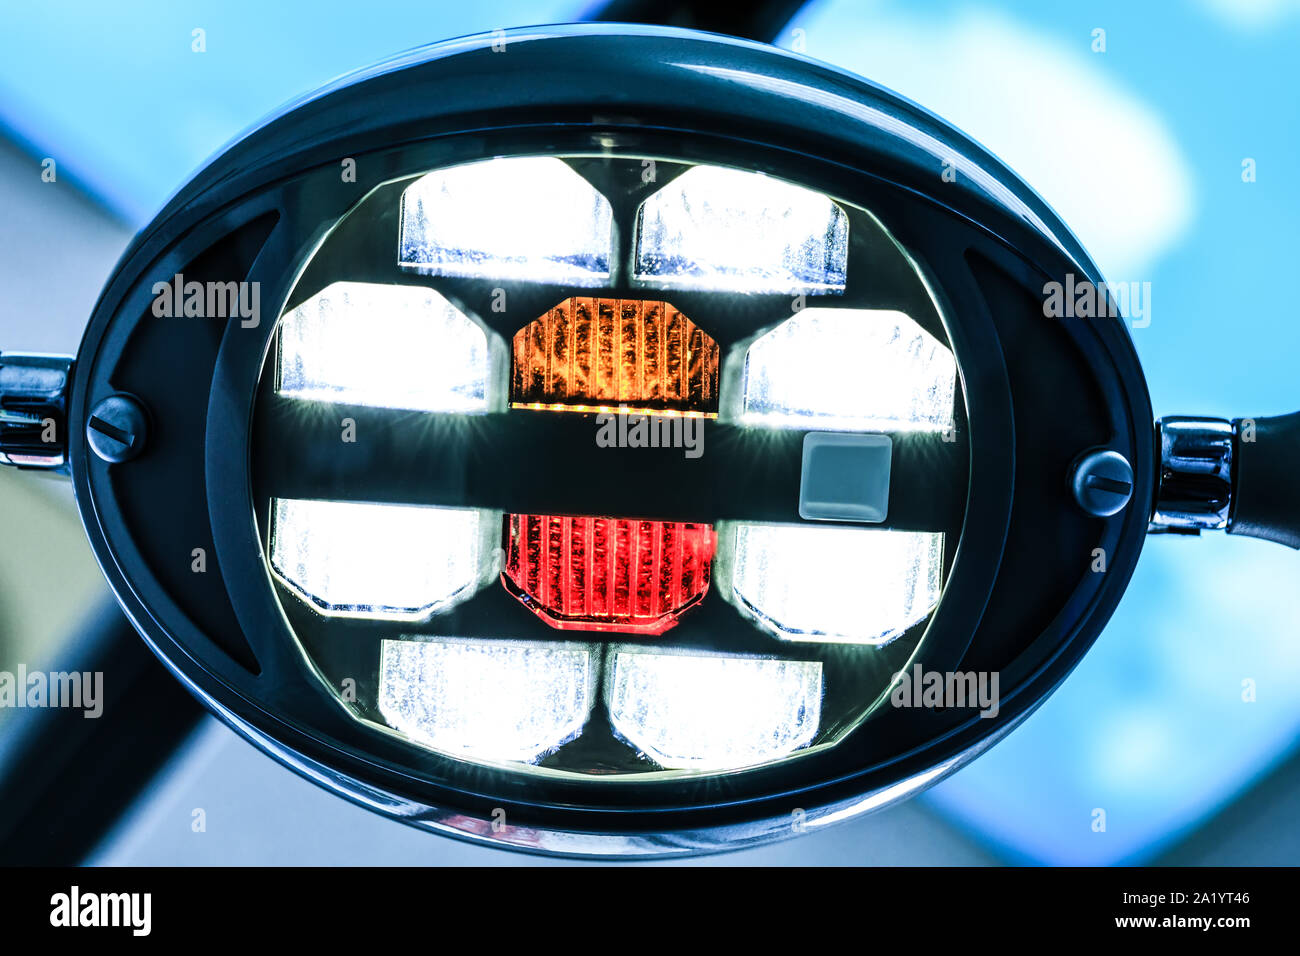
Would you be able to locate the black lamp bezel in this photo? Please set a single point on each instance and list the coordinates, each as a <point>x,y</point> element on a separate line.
<point>699,98</point>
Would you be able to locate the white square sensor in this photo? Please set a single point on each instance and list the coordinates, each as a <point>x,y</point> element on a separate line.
<point>845,477</point>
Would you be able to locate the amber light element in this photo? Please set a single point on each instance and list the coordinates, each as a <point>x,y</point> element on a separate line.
<point>590,354</point>
<point>607,574</point>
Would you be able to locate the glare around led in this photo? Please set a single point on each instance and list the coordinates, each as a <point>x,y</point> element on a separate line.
<point>375,560</point>
<point>849,370</point>
<point>526,218</point>
<point>735,230</point>
<point>495,701</point>
<point>385,346</point>
<point>849,585</point>
<point>689,711</point>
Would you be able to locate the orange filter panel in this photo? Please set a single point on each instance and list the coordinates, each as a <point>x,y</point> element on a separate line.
<point>590,354</point>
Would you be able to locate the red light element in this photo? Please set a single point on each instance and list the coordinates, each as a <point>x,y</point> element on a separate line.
<point>607,574</point>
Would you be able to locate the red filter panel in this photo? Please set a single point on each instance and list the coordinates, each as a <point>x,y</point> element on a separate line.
<point>607,574</point>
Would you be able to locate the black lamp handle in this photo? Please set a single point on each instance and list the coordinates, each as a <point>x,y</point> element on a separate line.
<point>1266,479</point>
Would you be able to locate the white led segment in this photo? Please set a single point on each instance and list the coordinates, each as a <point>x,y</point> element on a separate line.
<point>848,585</point>
<point>384,345</point>
<point>729,229</point>
<point>849,370</point>
<point>355,559</point>
<point>688,711</point>
<point>486,700</point>
<point>527,218</point>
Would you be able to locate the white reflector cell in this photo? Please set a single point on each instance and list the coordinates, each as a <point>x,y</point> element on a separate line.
<point>730,229</point>
<point>494,701</point>
<point>401,562</point>
<point>849,370</point>
<point>688,711</point>
<point>847,585</point>
<point>384,345</point>
<point>526,218</point>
